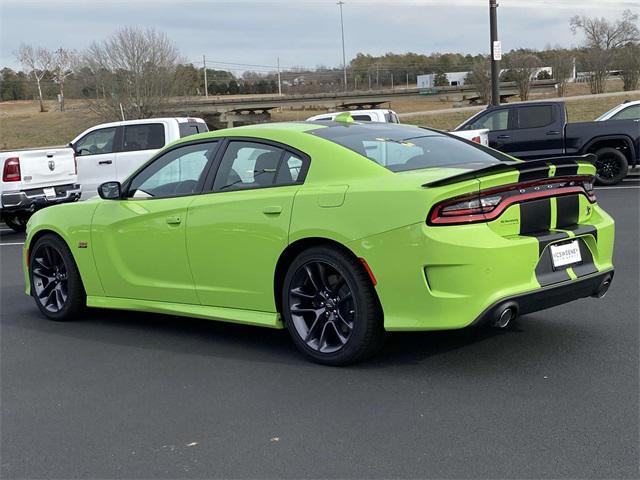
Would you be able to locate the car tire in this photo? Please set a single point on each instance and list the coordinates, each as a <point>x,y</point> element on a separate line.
<point>611,166</point>
<point>330,307</point>
<point>56,285</point>
<point>17,223</point>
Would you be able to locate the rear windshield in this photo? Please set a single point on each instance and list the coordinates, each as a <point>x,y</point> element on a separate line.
<point>400,148</point>
<point>191,128</point>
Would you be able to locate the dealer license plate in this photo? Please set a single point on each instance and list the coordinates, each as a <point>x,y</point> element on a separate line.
<point>50,192</point>
<point>565,254</point>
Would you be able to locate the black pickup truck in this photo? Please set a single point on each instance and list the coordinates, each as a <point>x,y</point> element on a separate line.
<point>532,130</point>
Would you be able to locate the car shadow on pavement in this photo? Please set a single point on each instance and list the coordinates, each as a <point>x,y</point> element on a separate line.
<point>207,338</point>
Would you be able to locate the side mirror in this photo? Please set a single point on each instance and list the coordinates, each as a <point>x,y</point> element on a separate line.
<point>110,190</point>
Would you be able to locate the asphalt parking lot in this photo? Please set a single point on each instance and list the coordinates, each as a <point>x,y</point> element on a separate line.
<point>123,395</point>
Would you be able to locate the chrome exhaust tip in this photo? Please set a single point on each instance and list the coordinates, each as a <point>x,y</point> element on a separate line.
<point>505,317</point>
<point>603,288</point>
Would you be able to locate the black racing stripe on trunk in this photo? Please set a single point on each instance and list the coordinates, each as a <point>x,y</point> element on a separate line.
<point>545,238</point>
<point>564,170</point>
<point>587,266</point>
<point>535,216</point>
<point>546,275</point>
<point>568,210</point>
<point>537,173</point>
<point>583,229</point>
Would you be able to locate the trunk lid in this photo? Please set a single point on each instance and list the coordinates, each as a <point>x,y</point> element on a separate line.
<point>521,198</point>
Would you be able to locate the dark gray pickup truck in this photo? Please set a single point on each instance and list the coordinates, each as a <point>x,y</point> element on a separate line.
<point>532,130</point>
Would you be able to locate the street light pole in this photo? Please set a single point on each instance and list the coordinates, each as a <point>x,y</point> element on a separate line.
<point>344,56</point>
<point>496,53</point>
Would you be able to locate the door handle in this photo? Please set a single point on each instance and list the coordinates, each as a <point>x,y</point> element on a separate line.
<point>272,210</point>
<point>504,137</point>
<point>174,220</point>
<point>105,162</point>
<point>553,132</point>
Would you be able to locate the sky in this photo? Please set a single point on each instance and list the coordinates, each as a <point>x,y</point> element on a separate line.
<point>251,34</point>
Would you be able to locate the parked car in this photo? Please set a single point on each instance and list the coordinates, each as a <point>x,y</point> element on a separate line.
<point>626,111</point>
<point>381,115</point>
<point>480,136</point>
<point>532,130</point>
<point>300,225</point>
<point>33,179</point>
<point>112,151</point>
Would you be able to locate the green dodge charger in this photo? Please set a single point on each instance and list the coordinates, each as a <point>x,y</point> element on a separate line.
<point>336,231</point>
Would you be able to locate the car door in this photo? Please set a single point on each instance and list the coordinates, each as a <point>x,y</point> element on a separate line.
<point>140,142</point>
<point>95,157</point>
<point>139,240</point>
<point>236,233</point>
<point>539,132</point>
<point>499,122</point>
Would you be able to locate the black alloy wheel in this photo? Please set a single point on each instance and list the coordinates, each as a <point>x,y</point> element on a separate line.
<point>611,166</point>
<point>55,281</point>
<point>330,307</point>
<point>322,306</point>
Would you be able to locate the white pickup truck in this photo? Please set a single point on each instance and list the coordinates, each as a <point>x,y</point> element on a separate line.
<point>33,179</point>
<point>383,115</point>
<point>112,151</point>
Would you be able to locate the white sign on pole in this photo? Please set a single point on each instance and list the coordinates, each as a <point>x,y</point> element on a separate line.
<point>497,50</point>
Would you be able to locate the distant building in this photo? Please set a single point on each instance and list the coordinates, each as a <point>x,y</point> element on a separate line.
<point>455,79</point>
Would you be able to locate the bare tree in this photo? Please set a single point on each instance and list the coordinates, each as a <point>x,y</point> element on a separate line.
<point>522,67</point>
<point>136,68</point>
<point>37,61</point>
<point>562,67</point>
<point>628,59</point>
<point>602,38</point>
<point>64,62</point>
<point>480,76</point>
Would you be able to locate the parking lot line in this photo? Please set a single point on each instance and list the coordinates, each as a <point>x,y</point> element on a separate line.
<point>12,243</point>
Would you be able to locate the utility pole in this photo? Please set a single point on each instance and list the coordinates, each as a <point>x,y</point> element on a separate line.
<point>344,56</point>
<point>407,79</point>
<point>496,53</point>
<point>391,80</point>
<point>206,86</point>
<point>279,82</point>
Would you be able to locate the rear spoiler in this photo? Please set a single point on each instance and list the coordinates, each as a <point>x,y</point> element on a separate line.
<point>564,165</point>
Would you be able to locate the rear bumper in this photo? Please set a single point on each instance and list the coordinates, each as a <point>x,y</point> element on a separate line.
<point>34,199</point>
<point>445,278</point>
<point>592,286</point>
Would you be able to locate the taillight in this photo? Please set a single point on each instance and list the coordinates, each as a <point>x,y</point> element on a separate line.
<point>11,170</point>
<point>487,205</point>
<point>476,139</point>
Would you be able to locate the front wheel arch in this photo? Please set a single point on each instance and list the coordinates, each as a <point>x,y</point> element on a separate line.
<point>292,251</point>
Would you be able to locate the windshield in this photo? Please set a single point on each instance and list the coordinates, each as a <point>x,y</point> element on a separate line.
<point>401,148</point>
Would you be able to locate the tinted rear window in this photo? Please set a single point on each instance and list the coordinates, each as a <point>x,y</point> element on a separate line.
<point>535,117</point>
<point>145,136</point>
<point>191,128</point>
<point>400,148</point>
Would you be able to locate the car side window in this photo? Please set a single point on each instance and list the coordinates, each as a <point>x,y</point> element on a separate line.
<point>496,120</point>
<point>248,165</point>
<point>97,142</point>
<point>145,136</point>
<point>629,113</point>
<point>535,117</point>
<point>361,118</point>
<point>178,172</point>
